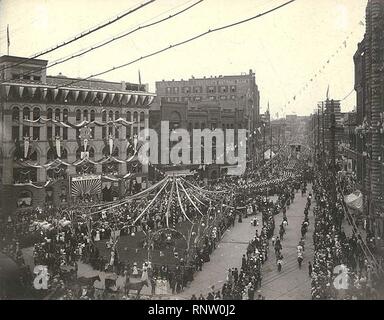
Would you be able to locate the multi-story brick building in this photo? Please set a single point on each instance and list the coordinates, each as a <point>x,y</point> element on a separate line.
<point>235,92</point>
<point>369,86</point>
<point>196,115</point>
<point>64,138</point>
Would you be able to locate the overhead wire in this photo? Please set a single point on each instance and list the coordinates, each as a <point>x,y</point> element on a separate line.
<point>210,31</point>
<point>81,35</point>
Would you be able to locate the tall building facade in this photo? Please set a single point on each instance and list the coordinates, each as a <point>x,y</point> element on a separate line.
<point>64,139</point>
<point>235,92</point>
<point>196,115</point>
<point>369,86</point>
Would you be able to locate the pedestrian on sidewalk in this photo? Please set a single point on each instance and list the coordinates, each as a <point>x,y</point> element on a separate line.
<point>273,241</point>
<point>279,264</point>
<point>302,243</point>
<point>300,259</point>
<point>310,268</point>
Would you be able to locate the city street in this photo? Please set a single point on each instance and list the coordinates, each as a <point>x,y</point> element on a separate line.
<point>290,283</point>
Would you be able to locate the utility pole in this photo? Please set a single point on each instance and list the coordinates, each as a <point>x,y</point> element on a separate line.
<point>318,132</point>
<point>263,141</point>
<point>270,150</point>
<point>333,163</point>
<point>323,157</point>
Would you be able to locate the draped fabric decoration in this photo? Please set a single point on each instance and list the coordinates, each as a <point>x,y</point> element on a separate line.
<point>85,145</point>
<point>109,178</point>
<point>190,200</point>
<point>58,147</point>
<point>150,204</point>
<point>26,146</point>
<point>169,203</point>
<point>30,184</point>
<point>110,144</point>
<point>135,142</point>
<point>82,124</point>
<point>87,185</point>
<point>85,159</point>
<point>180,202</point>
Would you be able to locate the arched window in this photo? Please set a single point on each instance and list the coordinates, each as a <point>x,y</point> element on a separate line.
<point>92,115</point>
<point>110,116</point>
<point>15,114</point>
<point>142,116</point>
<point>104,116</point>
<point>65,115</point>
<point>129,116</point>
<point>117,115</point>
<point>26,113</point>
<point>36,113</point>
<point>135,116</point>
<point>33,156</point>
<point>85,115</point>
<point>57,114</point>
<point>49,113</point>
<point>78,115</point>
<point>52,155</point>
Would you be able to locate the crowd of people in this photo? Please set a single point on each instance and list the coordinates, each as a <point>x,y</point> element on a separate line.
<point>342,267</point>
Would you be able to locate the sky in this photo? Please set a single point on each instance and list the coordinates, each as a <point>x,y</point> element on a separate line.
<point>286,48</point>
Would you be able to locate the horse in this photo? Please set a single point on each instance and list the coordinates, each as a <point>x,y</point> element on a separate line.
<point>84,281</point>
<point>138,286</point>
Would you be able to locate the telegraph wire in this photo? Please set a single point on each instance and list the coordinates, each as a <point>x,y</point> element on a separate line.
<point>82,52</point>
<point>210,31</point>
<point>81,35</point>
<point>347,96</point>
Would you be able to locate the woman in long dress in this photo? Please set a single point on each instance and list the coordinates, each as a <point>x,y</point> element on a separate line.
<point>144,274</point>
<point>97,236</point>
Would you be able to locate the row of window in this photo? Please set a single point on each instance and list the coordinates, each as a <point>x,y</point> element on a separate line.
<point>57,131</point>
<point>62,115</point>
<point>199,98</point>
<point>199,89</point>
<point>213,126</point>
<point>52,154</point>
<point>16,76</point>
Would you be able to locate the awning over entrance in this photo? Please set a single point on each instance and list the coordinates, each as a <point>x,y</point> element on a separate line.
<point>355,201</point>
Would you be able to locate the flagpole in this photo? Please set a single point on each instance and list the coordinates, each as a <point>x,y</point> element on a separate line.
<point>8,40</point>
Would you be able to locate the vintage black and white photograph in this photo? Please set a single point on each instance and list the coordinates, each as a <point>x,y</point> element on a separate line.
<point>191,150</point>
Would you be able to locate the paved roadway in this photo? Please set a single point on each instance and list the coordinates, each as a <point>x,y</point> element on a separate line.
<point>290,283</point>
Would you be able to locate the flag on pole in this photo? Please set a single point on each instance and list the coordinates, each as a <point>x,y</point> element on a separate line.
<point>328,93</point>
<point>8,39</point>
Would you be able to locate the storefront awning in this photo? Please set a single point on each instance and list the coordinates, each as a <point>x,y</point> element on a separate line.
<point>355,201</point>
